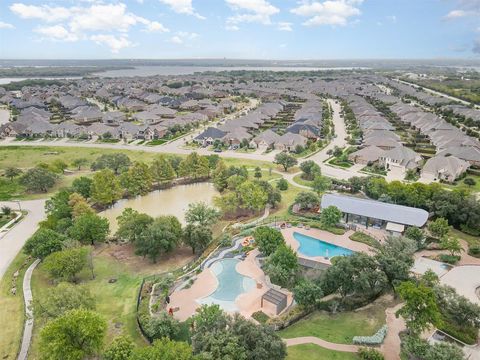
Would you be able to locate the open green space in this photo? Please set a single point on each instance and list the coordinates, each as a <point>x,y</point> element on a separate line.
<point>299,180</point>
<point>460,184</point>
<point>315,352</point>
<point>339,328</point>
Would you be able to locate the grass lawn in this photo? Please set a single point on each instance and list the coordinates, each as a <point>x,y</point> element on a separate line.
<point>11,308</point>
<point>298,179</point>
<point>341,327</point>
<point>358,236</point>
<point>266,176</point>
<point>470,239</point>
<point>288,197</point>
<point>461,185</point>
<point>315,352</point>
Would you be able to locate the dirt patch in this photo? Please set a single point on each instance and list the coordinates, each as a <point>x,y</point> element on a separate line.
<point>125,253</point>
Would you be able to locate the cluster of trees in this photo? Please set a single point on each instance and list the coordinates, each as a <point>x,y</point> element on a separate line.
<point>154,237</point>
<point>116,175</point>
<point>240,194</point>
<point>428,303</point>
<point>360,278</point>
<point>281,264</point>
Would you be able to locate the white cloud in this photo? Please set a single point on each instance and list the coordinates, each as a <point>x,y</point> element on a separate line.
<point>182,36</point>
<point>258,11</point>
<point>106,24</point>
<point>115,43</point>
<point>330,12</point>
<point>284,26</point>
<point>455,14</point>
<point>42,12</point>
<point>155,26</point>
<point>56,32</point>
<point>392,18</point>
<point>232,27</point>
<point>4,25</point>
<point>182,7</point>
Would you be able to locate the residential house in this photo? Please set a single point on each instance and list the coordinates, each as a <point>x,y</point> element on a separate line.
<point>367,156</point>
<point>444,168</point>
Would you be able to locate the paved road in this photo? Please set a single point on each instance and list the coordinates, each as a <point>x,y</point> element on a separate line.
<point>12,242</point>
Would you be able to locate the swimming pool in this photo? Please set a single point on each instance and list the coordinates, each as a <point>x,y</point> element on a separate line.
<point>231,284</point>
<point>310,246</point>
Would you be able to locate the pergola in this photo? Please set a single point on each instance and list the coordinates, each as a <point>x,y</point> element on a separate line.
<point>277,298</point>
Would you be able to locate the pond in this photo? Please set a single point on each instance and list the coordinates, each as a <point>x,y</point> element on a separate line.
<point>173,201</point>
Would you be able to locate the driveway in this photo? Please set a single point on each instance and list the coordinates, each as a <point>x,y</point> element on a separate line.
<point>12,242</point>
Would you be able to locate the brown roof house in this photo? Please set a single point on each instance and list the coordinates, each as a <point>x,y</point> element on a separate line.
<point>444,168</point>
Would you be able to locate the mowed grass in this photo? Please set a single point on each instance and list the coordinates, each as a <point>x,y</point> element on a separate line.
<point>315,352</point>
<point>338,328</point>
<point>12,309</point>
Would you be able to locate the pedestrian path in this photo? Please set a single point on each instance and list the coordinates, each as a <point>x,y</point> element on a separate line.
<point>322,343</point>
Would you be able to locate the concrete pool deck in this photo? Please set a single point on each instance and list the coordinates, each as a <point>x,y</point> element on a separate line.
<point>465,279</point>
<point>206,283</point>
<point>339,240</point>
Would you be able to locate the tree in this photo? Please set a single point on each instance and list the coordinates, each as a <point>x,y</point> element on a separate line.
<point>451,244</point>
<point>137,180</point>
<point>268,239</point>
<point>321,184</point>
<point>307,293</point>
<point>79,205</point>
<point>282,184</point>
<point>286,160</point>
<point>439,228</point>
<point>12,172</point>
<point>131,224</point>
<point>252,196</point>
<point>444,351</point>
<point>395,258</point>
<point>456,308</point>
<point>162,170</point>
<point>164,349</point>
<point>106,187</point>
<point>160,237</point>
<point>469,182</point>
<point>201,214</point>
<point>194,166</point>
<point>310,169</point>
<point>330,216</point>
<point>43,243</point>
<point>73,336</point>
<point>79,162</point>
<point>62,298</point>
<point>197,237</point>
<point>307,200</point>
<point>282,266</point>
<point>89,228</point>
<point>416,234</point>
<point>66,264</point>
<point>38,180</point>
<point>57,206</point>
<point>220,176</point>
<point>274,196</point>
<point>227,203</point>
<point>175,161</point>
<point>370,354</point>
<point>356,184</point>
<point>117,162</point>
<point>162,326</point>
<point>420,309</point>
<point>121,348</point>
<point>82,186</point>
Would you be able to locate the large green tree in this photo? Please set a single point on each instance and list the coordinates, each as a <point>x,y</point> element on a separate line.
<point>307,200</point>
<point>76,335</point>
<point>162,170</point>
<point>330,216</point>
<point>268,239</point>
<point>66,264</point>
<point>160,237</point>
<point>282,266</point>
<point>62,298</point>
<point>131,224</point>
<point>439,228</point>
<point>38,180</point>
<point>286,160</point>
<point>321,184</point>
<point>43,243</point>
<point>137,180</point>
<point>200,213</point>
<point>252,196</point>
<point>194,166</point>
<point>106,187</point>
<point>310,169</point>
<point>121,348</point>
<point>83,186</point>
<point>116,162</point>
<point>89,228</point>
<point>164,349</point>
<point>197,237</point>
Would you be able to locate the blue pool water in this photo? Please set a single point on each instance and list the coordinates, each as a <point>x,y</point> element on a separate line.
<point>310,246</point>
<point>230,285</point>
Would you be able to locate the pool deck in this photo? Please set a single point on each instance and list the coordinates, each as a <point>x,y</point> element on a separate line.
<point>206,283</point>
<point>340,240</point>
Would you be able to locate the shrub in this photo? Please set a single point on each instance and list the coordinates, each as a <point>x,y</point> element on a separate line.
<point>282,185</point>
<point>466,334</point>
<point>375,339</point>
<point>370,354</point>
<point>474,250</point>
<point>449,259</point>
<point>469,182</point>
<point>260,316</point>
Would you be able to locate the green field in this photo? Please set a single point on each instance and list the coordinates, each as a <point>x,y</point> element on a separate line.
<point>315,352</point>
<point>338,328</point>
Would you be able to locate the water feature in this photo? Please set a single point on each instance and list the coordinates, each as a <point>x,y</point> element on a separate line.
<point>310,246</point>
<point>173,201</point>
<point>231,284</point>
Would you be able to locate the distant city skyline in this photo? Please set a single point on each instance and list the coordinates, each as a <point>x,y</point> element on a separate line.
<point>240,29</point>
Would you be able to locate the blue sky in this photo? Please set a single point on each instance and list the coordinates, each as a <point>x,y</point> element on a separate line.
<point>248,29</point>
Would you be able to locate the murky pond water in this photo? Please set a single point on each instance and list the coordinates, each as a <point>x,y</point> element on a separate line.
<point>173,201</point>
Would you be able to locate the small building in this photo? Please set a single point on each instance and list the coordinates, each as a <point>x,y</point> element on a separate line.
<point>371,213</point>
<point>274,302</point>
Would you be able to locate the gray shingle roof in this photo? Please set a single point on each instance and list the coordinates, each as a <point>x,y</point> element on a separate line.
<point>376,209</point>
